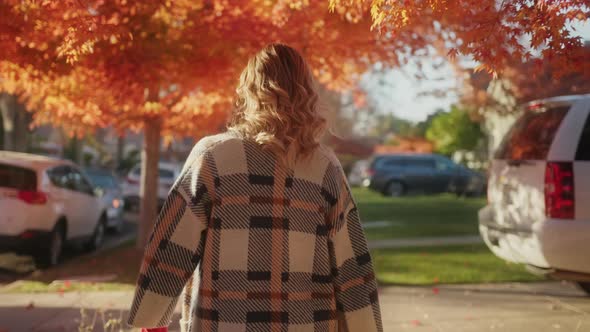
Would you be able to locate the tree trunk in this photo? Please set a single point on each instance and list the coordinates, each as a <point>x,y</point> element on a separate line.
<point>15,123</point>
<point>148,193</point>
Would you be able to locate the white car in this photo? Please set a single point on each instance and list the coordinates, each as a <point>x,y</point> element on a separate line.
<point>539,191</point>
<point>168,172</point>
<point>46,203</point>
<point>358,174</point>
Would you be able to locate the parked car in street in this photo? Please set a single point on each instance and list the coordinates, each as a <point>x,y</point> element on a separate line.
<point>401,174</point>
<point>46,203</point>
<point>358,173</point>
<point>539,191</point>
<point>112,195</point>
<point>168,172</point>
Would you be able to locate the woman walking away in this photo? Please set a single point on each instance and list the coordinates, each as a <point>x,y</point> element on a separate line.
<point>265,212</point>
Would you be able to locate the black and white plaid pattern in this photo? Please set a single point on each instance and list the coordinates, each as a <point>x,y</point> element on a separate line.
<point>278,248</point>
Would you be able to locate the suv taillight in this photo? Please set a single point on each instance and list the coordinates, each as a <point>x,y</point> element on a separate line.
<point>32,197</point>
<point>559,190</point>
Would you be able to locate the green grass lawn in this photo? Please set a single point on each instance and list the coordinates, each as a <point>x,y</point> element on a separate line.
<point>418,216</point>
<point>446,265</point>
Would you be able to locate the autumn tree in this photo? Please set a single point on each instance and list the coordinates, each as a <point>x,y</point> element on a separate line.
<point>522,82</point>
<point>169,68</point>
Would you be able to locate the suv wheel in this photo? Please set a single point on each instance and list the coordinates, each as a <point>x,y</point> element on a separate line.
<point>395,189</point>
<point>585,286</point>
<point>98,236</point>
<point>52,255</point>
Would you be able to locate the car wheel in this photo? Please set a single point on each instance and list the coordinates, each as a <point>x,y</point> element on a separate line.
<point>52,255</point>
<point>395,189</point>
<point>585,286</point>
<point>98,236</point>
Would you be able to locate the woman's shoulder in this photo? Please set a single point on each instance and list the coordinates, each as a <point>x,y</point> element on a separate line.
<point>329,155</point>
<point>209,142</point>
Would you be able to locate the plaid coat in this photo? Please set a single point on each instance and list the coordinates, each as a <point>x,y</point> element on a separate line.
<point>278,249</point>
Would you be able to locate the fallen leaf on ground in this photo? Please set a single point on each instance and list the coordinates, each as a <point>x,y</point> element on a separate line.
<point>30,306</point>
<point>435,290</point>
<point>416,322</point>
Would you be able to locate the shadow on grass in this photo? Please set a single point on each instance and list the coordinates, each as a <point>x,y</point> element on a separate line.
<point>460,264</point>
<point>416,216</point>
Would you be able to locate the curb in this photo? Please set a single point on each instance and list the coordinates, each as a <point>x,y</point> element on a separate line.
<point>425,242</point>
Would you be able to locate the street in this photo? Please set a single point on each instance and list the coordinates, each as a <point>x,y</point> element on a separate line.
<point>522,307</point>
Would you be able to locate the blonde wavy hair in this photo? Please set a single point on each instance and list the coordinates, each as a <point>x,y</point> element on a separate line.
<point>277,105</point>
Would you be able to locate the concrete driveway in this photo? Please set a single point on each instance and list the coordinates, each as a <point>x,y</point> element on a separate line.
<point>515,307</point>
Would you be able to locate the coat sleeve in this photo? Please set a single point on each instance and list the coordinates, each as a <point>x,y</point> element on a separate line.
<point>175,246</point>
<point>352,269</point>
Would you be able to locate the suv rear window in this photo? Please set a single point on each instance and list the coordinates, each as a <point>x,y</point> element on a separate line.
<point>583,152</point>
<point>17,178</point>
<point>531,136</point>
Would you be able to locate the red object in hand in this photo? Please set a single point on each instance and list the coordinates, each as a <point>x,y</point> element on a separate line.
<point>157,329</point>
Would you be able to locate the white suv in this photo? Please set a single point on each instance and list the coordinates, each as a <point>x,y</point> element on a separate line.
<point>44,203</point>
<point>167,174</point>
<point>539,191</point>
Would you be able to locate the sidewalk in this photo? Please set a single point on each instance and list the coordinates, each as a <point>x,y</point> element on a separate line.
<point>534,307</point>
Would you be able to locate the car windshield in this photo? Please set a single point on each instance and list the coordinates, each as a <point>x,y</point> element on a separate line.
<point>103,180</point>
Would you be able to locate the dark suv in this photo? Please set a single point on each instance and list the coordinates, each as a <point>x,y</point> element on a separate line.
<point>400,174</point>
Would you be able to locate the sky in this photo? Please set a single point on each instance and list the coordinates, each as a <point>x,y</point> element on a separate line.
<point>398,91</point>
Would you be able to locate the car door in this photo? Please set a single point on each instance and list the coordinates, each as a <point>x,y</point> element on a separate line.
<point>418,173</point>
<point>89,206</point>
<point>446,173</point>
<point>64,198</point>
